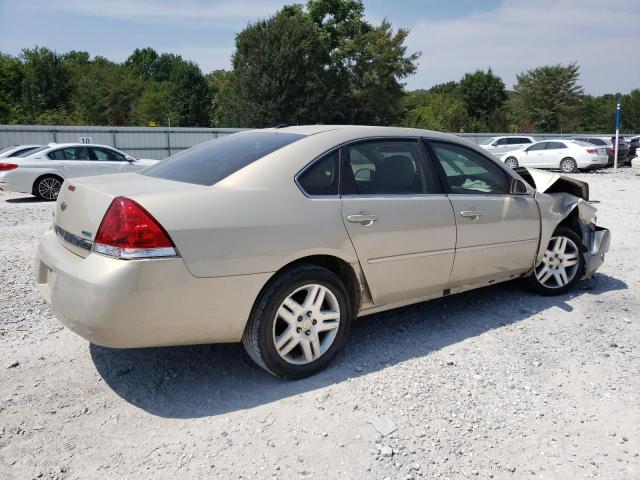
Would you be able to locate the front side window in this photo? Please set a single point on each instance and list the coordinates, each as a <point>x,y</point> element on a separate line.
<point>105,154</point>
<point>502,141</point>
<point>322,177</point>
<point>213,161</point>
<point>386,167</point>
<point>537,146</point>
<point>468,172</point>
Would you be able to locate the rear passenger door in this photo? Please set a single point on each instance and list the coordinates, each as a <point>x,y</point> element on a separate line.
<point>75,161</point>
<point>497,232</point>
<point>399,221</point>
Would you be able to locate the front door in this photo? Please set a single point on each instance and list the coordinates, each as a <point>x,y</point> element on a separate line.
<point>497,233</point>
<point>400,224</point>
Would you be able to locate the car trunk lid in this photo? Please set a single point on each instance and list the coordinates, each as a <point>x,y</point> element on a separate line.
<point>83,202</point>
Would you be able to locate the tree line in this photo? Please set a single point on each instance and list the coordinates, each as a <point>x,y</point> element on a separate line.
<point>322,63</point>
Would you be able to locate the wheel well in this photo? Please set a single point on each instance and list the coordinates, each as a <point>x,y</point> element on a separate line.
<point>571,222</point>
<point>343,270</point>
<point>35,182</point>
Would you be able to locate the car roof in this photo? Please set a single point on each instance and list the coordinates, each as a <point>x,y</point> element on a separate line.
<point>66,145</point>
<point>359,131</point>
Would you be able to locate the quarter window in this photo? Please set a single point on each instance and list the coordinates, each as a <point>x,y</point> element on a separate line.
<point>468,172</point>
<point>322,177</point>
<point>386,167</point>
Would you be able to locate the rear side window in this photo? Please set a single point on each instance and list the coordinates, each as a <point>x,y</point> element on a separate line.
<point>71,153</point>
<point>322,177</point>
<point>212,161</point>
<point>518,141</point>
<point>385,167</point>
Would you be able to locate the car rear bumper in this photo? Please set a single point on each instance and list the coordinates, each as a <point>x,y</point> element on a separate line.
<point>142,303</point>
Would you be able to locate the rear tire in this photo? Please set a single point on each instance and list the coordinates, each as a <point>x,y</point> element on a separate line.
<point>562,265</point>
<point>568,165</point>
<point>511,162</point>
<point>299,322</point>
<point>48,187</point>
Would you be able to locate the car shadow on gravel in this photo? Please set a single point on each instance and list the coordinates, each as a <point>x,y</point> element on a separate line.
<point>26,200</point>
<point>197,381</point>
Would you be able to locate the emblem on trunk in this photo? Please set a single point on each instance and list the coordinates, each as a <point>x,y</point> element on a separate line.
<point>63,206</point>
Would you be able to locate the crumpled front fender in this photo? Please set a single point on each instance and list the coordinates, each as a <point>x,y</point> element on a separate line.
<point>557,198</point>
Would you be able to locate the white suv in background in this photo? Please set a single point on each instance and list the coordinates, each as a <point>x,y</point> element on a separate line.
<point>498,146</point>
<point>42,171</point>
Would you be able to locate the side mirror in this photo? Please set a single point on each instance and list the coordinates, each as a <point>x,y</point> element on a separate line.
<point>517,187</point>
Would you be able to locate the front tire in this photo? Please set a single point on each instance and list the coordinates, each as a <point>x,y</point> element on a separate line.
<point>47,187</point>
<point>299,322</point>
<point>562,265</point>
<point>568,165</point>
<point>511,162</point>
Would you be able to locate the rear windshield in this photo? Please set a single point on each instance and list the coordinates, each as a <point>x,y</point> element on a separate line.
<point>212,161</point>
<point>31,151</point>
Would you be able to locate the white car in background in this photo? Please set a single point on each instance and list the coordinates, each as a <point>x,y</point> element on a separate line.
<point>566,155</point>
<point>500,145</point>
<point>42,171</point>
<point>17,150</point>
<point>635,163</point>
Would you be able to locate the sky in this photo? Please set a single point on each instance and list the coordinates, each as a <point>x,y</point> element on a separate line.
<point>453,36</point>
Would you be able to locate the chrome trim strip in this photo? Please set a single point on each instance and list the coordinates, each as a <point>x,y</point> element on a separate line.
<point>496,245</point>
<point>72,239</point>
<point>407,256</point>
<point>134,253</point>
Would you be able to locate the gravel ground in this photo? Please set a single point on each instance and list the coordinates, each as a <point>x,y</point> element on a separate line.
<point>496,383</point>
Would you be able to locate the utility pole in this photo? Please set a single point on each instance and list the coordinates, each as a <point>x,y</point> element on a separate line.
<point>615,155</point>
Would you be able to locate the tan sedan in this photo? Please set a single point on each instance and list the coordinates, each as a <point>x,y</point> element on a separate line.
<point>280,237</point>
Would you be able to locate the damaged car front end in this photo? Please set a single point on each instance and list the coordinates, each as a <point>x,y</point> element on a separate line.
<point>565,201</point>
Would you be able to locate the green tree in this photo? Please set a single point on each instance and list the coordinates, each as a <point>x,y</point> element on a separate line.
<point>190,95</point>
<point>278,74</point>
<point>155,105</point>
<point>547,97</point>
<point>438,111</point>
<point>45,84</point>
<point>323,64</point>
<point>11,75</point>
<point>483,95</point>
<point>142,63</point>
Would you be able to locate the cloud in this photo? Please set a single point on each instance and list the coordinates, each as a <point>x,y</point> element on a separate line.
<point>602,37</point>
<point>169,12</point>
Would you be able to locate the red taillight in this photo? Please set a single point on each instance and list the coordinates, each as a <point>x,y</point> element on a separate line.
<point>592,150</point>
<point>128,231</point>
<point>610,149</point>
<point>7,166</point>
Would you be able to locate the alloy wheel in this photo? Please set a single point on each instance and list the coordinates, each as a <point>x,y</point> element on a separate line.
<point>559,264</point>
<point>511,162</point>
<point>48,188</point>
<point>568,165</point>
<point>306,324</point>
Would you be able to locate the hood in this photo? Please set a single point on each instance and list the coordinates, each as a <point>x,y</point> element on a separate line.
<point>549,182</point>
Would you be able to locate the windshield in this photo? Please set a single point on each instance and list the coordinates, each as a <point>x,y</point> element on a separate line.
<point>212,161</point>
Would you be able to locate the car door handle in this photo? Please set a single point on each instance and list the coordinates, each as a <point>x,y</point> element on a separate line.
<point>365,219</point>
<point>471,213</point>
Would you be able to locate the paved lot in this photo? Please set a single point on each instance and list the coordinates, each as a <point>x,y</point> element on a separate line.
<point>497,383</point>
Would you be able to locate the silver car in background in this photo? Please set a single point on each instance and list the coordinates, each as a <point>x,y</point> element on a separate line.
<point>280,237</point>
<point>498,146</point>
